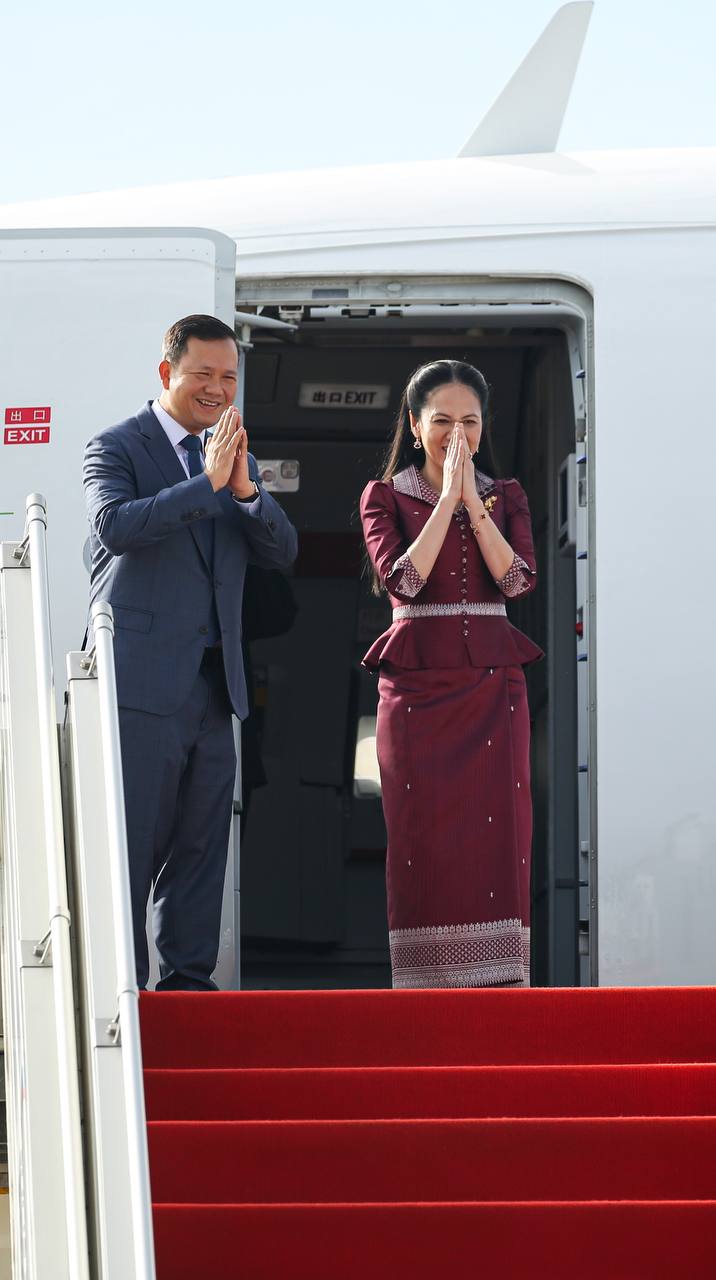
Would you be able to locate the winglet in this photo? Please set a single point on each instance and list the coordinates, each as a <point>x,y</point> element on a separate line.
<point>527,116</point>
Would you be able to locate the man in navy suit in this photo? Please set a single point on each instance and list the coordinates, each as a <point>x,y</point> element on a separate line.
<point>175,517</point>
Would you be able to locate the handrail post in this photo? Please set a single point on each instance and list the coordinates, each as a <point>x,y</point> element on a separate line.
<point>127,990</point>
<point>59,922</point>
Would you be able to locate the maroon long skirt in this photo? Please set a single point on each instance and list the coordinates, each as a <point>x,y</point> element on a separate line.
<point>453,748</point>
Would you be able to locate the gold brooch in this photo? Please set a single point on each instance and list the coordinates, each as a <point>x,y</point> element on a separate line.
<point>489,503</point>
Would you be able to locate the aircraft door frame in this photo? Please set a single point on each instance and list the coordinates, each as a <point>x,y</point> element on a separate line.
<point>560,303</point>
<point>244,323</point>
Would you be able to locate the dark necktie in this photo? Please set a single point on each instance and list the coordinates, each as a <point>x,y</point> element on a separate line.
<point>205,528</point>
<point>192,444</point>
<point>195,457</point>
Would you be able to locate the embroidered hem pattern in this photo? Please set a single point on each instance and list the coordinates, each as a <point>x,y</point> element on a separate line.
<point>492,954</point>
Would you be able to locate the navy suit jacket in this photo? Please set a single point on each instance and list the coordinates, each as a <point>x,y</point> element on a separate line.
<point>149,561</point>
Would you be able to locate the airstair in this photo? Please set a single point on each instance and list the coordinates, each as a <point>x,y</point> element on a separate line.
<point>78,1170</point>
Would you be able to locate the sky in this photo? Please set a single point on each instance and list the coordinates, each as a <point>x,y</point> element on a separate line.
<point>95,97</point>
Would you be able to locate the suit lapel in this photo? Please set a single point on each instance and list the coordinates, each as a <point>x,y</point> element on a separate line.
<point>159,446</point>
<point>163,453</point>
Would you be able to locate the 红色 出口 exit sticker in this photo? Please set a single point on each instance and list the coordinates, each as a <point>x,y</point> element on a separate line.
<point>27,424</point>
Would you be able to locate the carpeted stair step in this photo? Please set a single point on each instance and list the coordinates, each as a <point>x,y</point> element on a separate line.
<point>548,1241</point>
<point>364,1135</point>
<point>428,1028</point>
<point>346,1093</point>
<point>300,1161</point>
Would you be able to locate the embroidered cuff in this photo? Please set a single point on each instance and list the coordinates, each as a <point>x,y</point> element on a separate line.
<point>517,579</point>
<point>409,582</point>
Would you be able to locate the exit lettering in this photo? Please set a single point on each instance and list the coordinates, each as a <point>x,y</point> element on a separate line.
<point>360,397</point>
<point>27,435</point>
<point>332,395</point>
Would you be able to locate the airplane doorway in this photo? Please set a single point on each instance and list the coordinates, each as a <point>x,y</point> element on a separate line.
<point>313,855</point>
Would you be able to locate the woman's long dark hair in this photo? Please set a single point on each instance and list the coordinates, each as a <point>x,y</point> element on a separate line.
<point>401,450</point>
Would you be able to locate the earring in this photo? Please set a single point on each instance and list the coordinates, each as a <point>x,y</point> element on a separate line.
<point>416,443</point>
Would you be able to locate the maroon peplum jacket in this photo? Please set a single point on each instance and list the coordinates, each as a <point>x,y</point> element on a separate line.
<point>457,617</point>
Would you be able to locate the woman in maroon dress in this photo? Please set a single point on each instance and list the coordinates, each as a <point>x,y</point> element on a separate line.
<point>448,544</point>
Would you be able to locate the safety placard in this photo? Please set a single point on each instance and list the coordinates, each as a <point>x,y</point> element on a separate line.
<point>279,475</point>
<point>27,424</point>
<point>340,395</point>
<point>27,435</point>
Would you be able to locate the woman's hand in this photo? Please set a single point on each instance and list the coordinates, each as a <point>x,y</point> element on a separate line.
<point>469,483</point>
<point>470,497</point>
<point>453,470</point>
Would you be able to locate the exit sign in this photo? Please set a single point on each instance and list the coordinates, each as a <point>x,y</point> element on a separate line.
<point>34,415</point>
<point>27,435</point>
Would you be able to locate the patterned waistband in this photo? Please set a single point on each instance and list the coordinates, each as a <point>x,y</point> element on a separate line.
<point>448,611</point>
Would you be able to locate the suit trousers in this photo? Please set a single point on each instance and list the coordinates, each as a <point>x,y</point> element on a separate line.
<point>179,774</point>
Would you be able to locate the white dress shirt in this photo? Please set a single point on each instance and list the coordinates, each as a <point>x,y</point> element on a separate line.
<point>175,433</point>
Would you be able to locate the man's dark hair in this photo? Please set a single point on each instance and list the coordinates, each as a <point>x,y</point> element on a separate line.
<point>206,328</point>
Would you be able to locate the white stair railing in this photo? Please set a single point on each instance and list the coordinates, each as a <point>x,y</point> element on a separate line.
<point>48,1212</point>
<point>117,1137</point>
<point>48,834</point>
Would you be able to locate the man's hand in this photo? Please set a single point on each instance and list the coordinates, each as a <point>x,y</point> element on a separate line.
<point>240,482</point>
<point>221,451</point>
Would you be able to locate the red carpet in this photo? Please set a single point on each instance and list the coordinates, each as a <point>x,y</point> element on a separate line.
<point>362,1135</point>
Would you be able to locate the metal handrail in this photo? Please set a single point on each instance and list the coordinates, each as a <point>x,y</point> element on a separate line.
<point>127,1022</point>
<point>59,921</point>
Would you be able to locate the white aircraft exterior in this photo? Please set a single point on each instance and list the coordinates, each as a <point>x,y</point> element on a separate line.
<point>612,255</point>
